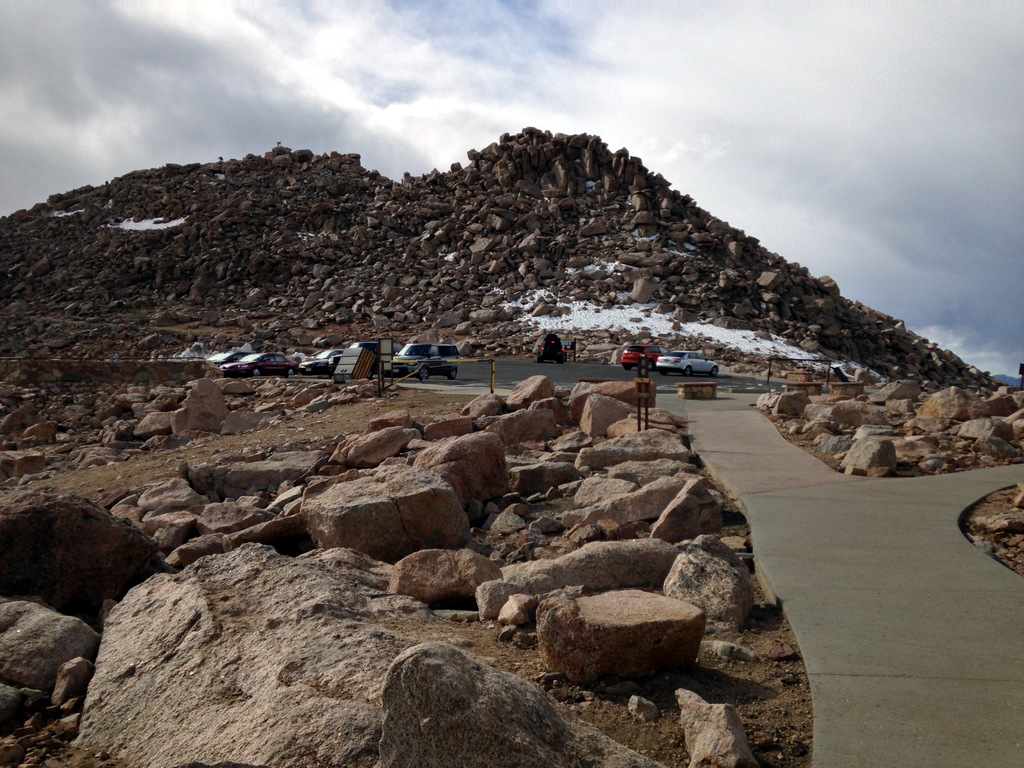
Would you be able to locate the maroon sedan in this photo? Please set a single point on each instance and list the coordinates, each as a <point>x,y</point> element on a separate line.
<point>261,364</point>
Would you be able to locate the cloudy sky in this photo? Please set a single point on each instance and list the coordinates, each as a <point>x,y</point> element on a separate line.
<point>883,146</point>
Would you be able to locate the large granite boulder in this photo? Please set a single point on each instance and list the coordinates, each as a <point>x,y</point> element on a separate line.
<point>473,465</point>
<point>626,633</point>
<point>245,478</point>
<point>444,708</point>
<point>529,391</point>
<point>387,515</point>
<point>67,551</point>
<point>711,576</point>
<point>598,566</point>
<point>639,446</point>
<point>249,657</point>
<point>35,641</point>
<point>436,575</point>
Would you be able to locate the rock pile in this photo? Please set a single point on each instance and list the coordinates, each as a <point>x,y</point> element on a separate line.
<point>279,595</point>
<point>283,249</point>
<point>903,431</point>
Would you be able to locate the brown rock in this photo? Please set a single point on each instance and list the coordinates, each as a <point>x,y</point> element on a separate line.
<point>204,409</point>
<point>714,733</point>
<point>628,633</point>
<point>709,575</point>
<point>67,551</point>
<point>529,391</point>
<point>435,575</point>
<point>694,510</point>
<point>524,426</point>
<point>474,465</point>
<point>600,412</point>
<point>388,515</point>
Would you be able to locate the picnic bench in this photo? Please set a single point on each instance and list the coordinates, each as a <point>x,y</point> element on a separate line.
<point>697,390</point>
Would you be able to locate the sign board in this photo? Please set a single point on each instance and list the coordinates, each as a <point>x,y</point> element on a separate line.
<point>643,367</point>
<point>1020,371</point>
<point>569,344</point>
<point>354,363</point>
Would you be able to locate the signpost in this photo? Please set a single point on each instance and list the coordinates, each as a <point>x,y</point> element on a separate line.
<point>642,388</point>
<point>1020,372</point>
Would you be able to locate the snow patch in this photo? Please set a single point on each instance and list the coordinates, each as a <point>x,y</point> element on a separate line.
<point>587,316</point>
<point>146,224</point>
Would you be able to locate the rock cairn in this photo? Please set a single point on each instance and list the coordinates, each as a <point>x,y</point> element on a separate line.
<point>283,249</point>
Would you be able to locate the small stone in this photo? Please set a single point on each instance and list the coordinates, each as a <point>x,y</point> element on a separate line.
<point>643,709</point>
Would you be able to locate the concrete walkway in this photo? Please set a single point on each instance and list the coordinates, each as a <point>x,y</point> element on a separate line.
<point>913,639</point>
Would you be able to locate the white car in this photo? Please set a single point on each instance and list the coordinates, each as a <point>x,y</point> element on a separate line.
<point>686,364</point>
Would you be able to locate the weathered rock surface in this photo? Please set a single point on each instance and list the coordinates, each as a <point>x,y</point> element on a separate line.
<point>67,551</point>
<point>693,511</point>
<point>435,575</point>
<point>600,565</point>
<point>388,515</point>
<point>36,641</point>
<point>444,708</point>
<point>709,575</point>
<point>714,733</point>
<point>640,446</point>
<point>204,409</point>
<point>626,633</point>
<point>229,481</point>
<point>192,665</point>
<point>529,391</point>
<point>474,465</point>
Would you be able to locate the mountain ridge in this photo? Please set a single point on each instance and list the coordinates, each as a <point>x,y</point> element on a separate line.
<point>292,240</point>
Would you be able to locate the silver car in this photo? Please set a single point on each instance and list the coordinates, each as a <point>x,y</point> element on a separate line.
<point>685,364</point>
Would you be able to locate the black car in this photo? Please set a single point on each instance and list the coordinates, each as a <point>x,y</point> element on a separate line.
<point>426,360</point>
<point>322,364</point>
<point>551,349</point>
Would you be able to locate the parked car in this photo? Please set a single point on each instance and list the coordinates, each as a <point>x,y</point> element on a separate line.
<point>426,360</point>
<point>261,364</point>
<point>551,349</point>
<point>632,354</point>
<point>686,364</point>
<point>322,364</point>
<point>226,357</point>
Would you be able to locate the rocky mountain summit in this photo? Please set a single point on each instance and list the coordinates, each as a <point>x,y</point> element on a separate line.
<point>284,249</point>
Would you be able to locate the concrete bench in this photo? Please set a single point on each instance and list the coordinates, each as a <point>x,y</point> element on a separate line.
<point>807,387</point>
<point>799,376</point>
<point>697,390</point>
<point>847,388</point>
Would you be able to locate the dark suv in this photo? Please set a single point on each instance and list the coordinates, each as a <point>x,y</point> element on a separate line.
<point>551,349</point>
<point>426,360</point>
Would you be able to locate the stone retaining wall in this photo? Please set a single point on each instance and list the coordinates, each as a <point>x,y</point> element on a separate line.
<point>23,370</point>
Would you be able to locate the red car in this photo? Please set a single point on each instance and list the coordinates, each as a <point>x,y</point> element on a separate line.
<point>632,354</point>
<point>261,364</point>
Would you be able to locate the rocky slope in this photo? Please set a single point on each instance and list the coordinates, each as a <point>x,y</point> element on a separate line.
<point>282,247</point>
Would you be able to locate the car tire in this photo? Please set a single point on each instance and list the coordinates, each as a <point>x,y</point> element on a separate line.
<point>688,371</point>
<point>290,373</point>
<point>256,372</point>
<point>561,359</point>
<point>662,371</point>
<point>453,373</point>
<point>423,374</point>
<point>540,358</point>
<point>627,366</point>
<point>714,370</point>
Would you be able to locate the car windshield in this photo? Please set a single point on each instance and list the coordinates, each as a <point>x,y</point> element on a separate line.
<point>634,348</point>
<point>255,356</point>
<point>325,354</point>
<point>415,350</point>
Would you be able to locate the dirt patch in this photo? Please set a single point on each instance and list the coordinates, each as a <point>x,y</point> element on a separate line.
<point>996,525</point>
